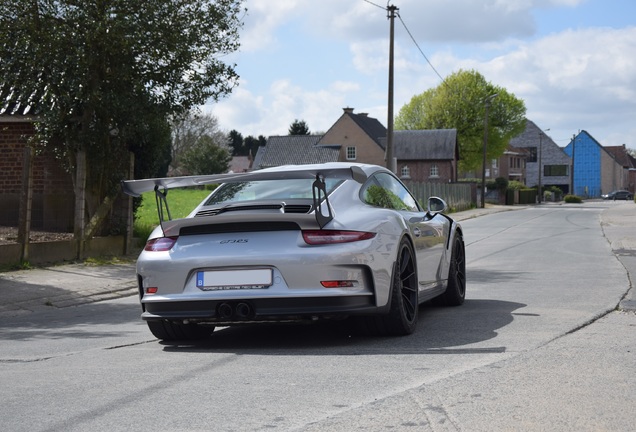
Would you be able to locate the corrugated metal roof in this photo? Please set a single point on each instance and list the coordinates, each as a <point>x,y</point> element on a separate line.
<point>13,104</point>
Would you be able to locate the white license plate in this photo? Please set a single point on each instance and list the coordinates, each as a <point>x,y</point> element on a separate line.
<point>234,279</point>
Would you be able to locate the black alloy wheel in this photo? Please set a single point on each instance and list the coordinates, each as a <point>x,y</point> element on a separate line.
<point>456,290</point>
<point>402,317</point>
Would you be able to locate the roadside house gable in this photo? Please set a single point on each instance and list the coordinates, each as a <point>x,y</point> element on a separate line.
<point>551,155</point>
<point>621,156</point>
<point>596,171</point>
<point>359,137</point>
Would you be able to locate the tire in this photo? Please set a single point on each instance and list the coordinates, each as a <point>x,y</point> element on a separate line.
<point>169,331</point>
<point>402,317</point>
<point>456,290</point>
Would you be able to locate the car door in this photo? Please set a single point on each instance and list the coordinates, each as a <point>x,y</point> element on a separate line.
<point>428,231</point>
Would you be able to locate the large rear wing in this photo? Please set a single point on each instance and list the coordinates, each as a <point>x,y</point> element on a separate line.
<point>317,172</point>
<point>137,187</point>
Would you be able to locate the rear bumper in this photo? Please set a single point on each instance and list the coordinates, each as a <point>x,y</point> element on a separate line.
<point>229,312</point>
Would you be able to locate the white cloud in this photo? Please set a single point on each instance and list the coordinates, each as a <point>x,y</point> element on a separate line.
<point>262,20</point>
<point>283,103</point>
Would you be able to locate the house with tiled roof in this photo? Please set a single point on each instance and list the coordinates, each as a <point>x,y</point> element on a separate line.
<point>240,164</point>
<point>294,150</point>
<point>423,156</point>
<point>628,162</point>
<point>541,150</point>
<point>359,137</point>
<point>426,155</point>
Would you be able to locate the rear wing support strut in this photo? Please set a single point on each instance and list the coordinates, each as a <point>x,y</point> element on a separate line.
<point>162,203</point>
<point>319,192</point>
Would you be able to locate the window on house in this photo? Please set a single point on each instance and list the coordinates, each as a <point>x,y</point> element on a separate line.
<point>495,163</point>
<point>434,171</point>
<point>532,154</point>
<point>351,153</point>
<point>405,172</point>
<point>556,170</point>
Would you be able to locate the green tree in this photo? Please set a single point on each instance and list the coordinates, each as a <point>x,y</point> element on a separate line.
<point>187,131</point>
<point>251,144</point>
<point>99,72</point>
<point>299,127</point>
<point>460,103</point>
<point>236,143</point>
<point>206,157</point>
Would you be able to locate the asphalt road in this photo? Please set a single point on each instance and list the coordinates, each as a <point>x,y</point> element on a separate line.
<point>538,345</point>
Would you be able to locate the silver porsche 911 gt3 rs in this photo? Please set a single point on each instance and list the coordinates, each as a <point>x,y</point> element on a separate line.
<point>297,243</point>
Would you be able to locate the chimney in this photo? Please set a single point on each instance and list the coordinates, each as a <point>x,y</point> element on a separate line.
<point>348,110</point>
<point>363,114</point>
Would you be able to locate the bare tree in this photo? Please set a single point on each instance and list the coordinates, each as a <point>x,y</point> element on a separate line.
<point>188,131</point>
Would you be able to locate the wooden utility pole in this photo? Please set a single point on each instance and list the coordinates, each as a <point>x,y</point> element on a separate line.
<point>389,132</point>
<point>485,149</point>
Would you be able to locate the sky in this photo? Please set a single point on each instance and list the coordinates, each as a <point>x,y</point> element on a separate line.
<point>573,62</point>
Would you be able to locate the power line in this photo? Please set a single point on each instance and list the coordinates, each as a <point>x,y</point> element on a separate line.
<point>420,49</point>
<point>411,36</point>
<point>376,5</point>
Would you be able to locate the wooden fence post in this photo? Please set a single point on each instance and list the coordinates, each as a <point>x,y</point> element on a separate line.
<point>80,202</point>
<point>26,200</point>
<point>129,210</point>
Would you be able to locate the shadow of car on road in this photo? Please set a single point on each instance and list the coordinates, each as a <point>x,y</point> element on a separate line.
<point>440,331</point>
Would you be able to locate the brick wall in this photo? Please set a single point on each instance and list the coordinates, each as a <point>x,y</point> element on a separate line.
<point>52,206</point>
<point>420,171</point>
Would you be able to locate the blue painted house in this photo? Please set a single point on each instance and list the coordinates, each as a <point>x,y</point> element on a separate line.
<point>596,171</point>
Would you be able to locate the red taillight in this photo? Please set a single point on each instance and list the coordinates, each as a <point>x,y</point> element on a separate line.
<point>318,237</point>
<point>152,290</point>
<point>338,284</point>
<point>160,244</point>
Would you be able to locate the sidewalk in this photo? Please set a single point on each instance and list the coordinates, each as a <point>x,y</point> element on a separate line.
<point>25,291</point>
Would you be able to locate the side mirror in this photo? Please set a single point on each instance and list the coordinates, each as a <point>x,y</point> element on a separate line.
<point>436,205</point>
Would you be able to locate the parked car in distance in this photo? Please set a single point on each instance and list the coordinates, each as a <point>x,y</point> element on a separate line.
<point>618,195</point>
<point>298,244</point>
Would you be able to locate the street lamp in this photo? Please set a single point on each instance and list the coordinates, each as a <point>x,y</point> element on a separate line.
<point>541,133</point>
<point>483,170</point>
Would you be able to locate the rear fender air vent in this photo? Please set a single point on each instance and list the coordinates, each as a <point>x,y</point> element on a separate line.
<point>225,228</point>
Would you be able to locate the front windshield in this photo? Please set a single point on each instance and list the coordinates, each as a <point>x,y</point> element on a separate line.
<point>267,190</point>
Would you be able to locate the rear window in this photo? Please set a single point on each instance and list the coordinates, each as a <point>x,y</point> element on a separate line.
<point>267,190</point>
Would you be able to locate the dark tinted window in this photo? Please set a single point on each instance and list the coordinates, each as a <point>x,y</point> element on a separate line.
<point>267,190</point>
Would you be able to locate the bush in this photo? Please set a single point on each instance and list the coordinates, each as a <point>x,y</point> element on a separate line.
<point>516,185</point>
<point>572,199</point>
